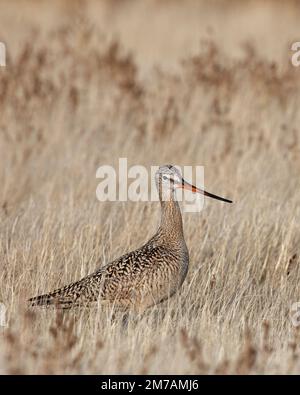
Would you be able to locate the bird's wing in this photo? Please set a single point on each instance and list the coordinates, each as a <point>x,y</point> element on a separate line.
<point>117,280</point>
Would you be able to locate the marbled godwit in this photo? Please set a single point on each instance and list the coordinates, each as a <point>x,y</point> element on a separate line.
<point>143,277</point>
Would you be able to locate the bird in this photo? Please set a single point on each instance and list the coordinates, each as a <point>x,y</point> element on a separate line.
<point>146,276</point>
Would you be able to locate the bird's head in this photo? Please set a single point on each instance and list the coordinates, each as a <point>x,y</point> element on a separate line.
<point>168,178</point>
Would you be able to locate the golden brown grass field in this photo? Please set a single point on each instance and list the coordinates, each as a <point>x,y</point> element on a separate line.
<point>157,81</point>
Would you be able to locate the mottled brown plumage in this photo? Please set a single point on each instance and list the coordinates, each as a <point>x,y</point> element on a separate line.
<point>144,277</point>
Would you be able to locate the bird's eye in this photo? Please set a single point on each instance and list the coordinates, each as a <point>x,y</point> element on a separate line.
<point>164,177</point>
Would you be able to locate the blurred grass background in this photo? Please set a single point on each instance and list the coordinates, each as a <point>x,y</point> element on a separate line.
<point>190,83</point>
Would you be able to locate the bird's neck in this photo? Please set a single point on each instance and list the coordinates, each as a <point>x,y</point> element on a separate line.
<point>171,221</point>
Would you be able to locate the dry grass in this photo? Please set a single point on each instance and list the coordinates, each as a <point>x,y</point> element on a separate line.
<point>72,97</point>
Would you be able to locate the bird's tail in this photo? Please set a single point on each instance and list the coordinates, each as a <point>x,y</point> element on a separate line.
<point>68,296</point>
<point>55,298</point>
<point>79,293</point>
<point>64,297</point>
